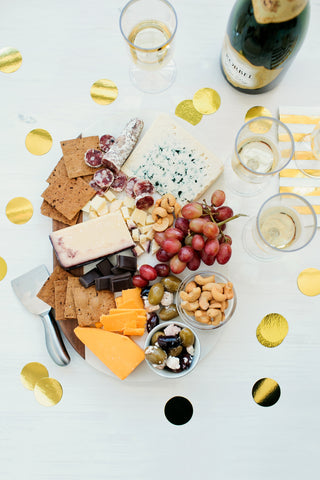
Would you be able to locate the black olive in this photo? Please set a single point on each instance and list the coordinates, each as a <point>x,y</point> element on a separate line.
<point>168,342</point>
<point>185,361</point>
<point>152,321</point>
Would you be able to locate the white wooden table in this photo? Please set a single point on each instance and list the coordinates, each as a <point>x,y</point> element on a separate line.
<point>104,428</point>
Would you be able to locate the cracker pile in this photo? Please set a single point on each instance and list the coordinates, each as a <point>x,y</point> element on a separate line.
<point>65,294</point>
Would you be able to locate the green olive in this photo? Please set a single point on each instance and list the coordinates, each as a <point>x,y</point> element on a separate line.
<point>169,312</point>
<point>175,352</point>
<point>171,283</point>
<point>155,336</point>
<point>156,293</point>
<point>187,337</point>
<point>155,355</point>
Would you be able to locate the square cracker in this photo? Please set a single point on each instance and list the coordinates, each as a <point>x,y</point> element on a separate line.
<point>70,309</point>
<point>58,171</point>
<point>73,154</point>
<point>68,196</point>
<point>51,212</point>
<point>46,293</point>
<point>91,304</point>
<point>60,287</point>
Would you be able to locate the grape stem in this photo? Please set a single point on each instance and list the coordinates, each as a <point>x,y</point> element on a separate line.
<point>231,218</point>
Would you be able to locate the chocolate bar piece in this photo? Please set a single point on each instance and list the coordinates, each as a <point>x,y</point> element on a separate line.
<point>103,283</point>
<point>89,278</point>
<point>117,271</point>
<point>127,263</point>
<point>104,267</point>
<point>121,282</point>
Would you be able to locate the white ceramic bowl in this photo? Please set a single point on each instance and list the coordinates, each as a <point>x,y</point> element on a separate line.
<point>166,372</point>
<point>219,278</point>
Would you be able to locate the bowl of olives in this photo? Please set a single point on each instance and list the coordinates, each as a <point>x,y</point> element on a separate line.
<point>172,349</point>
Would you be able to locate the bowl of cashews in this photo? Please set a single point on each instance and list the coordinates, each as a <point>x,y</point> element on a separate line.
<point>206,300</point>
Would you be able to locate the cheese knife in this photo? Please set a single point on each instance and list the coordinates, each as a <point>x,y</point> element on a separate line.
<point>26,288</point>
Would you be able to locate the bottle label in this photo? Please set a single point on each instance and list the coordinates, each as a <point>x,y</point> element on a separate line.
<point>241,73</point>
<point>276,11</point>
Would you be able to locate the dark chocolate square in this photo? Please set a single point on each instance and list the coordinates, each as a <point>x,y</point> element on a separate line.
<point>104,267</point>
<point>127,263</point>
<point>89,278</point>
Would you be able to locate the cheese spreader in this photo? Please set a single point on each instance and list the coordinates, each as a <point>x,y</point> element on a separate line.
<point>26,288</point>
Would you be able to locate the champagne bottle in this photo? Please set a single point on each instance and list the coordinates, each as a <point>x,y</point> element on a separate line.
<point>262,39</point>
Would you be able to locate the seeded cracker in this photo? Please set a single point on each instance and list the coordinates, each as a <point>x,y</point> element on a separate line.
<point>70,309</point>
<point>91,304</point>
<point>73,154</point>
<point>68,196</point>
<point>49,211</point>
<point>58,171</point>
<point>46,294</point>
<point>60,287</point>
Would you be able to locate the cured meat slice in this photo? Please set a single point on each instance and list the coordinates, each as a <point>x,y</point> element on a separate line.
<point>93,158</point>
<point>125,143</point>
<point>119,183</point>
<point>130,186</point>
<point>143,202</point>
<point>106,141</point>
<point>142,187</point>
<point>103,178</point>
<point>96,187</point>
<point>110,165</point>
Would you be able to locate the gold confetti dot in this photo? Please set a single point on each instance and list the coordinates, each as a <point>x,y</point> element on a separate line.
<point>10,59</point>
<point>309,282</point>
<point>272,330</point>
<point>3,268</point>
<point>48,392</point>
<point>32,373</point>
<point>104,91</point>
<point>38,141</point>
<point>19,210</point>
<point>187,112</point>
<point>266,392</point>
<point>260,126</point>
<point>206,101</point>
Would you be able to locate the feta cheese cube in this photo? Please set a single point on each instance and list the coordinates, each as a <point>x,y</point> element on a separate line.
<point>115,206</point>
<point>98,203</point>
<point>110,196</point>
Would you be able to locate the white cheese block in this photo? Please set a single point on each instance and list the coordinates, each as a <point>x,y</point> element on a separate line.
<point>110,196</point>
<point>98,203</point>
<point>139,216</point>
<point>85,242</point>
<point>174,161</point>
<point>116,205</point>
<point>129,202</point>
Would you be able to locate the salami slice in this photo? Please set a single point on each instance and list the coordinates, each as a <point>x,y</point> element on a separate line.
<point>110,165</point>
<point>130,186</point>
<point>143,187</point>
<point>143,202</point>
<point>106,141</point>
<point>93,158</point>
<point>119,183</point>
<point>96,188</point>
<point>103,178</point>
<point>125,143</point>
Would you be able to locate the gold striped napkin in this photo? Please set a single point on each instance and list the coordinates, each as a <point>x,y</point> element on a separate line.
<point>301,121</point>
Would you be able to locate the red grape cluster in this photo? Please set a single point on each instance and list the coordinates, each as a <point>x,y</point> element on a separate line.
<point>197,235</point>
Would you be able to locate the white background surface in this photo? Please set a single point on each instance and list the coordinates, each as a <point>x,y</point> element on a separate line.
<point>105,428</point>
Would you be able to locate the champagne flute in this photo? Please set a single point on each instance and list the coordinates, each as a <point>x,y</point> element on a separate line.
<point>258,155</point>
<point>149,27</point>
<point>286,222</point>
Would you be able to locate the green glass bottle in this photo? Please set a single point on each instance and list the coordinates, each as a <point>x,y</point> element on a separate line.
<point>262,39</point>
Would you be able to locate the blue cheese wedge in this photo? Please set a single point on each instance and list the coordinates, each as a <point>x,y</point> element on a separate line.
<point>174,161</point>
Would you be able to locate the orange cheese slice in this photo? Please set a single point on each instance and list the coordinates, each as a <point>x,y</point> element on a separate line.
<point>118,352</point>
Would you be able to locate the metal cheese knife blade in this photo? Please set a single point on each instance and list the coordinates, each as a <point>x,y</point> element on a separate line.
<point>26,288</point>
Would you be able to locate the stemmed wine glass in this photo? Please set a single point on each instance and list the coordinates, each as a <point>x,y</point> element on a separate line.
<point>285,222</point>
<point>258,155</point>
<point>149,27</point>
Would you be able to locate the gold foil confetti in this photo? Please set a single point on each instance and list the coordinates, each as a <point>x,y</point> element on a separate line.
<point>3,268</point>
<point>272,330</point>
<point>187,112</point>
<point>19,210</point>
<point>259,126</point>
<point>38,141</point>
<point>48,391</point>
<point>309,282</point>
<point>206,101</point>
<point>10,59</point>
<point>104,91</point>
<point>32,373</point>
<point>266,392</point>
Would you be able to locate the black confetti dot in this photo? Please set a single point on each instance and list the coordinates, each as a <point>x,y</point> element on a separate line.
<point>178,410</point>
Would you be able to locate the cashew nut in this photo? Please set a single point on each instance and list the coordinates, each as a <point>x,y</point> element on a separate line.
<point>213,312</point>
<point>208,286</point>
<point>190,286</point>
<point>171,219</point>
<point>177,209</point>
<point>201,316</point>
<point>204,300</point>
<point>161,225</point>
<point>224,305</point>
<point>167,202</point>
<point>228,290</point>
<point>217,319</point>
<point>217,294</point>
<point>159,212</point>
<point>215,304</point>
<point>204,280</point>
<point>157,202</point>
<point>192,296</point>
<point>191,306</point>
